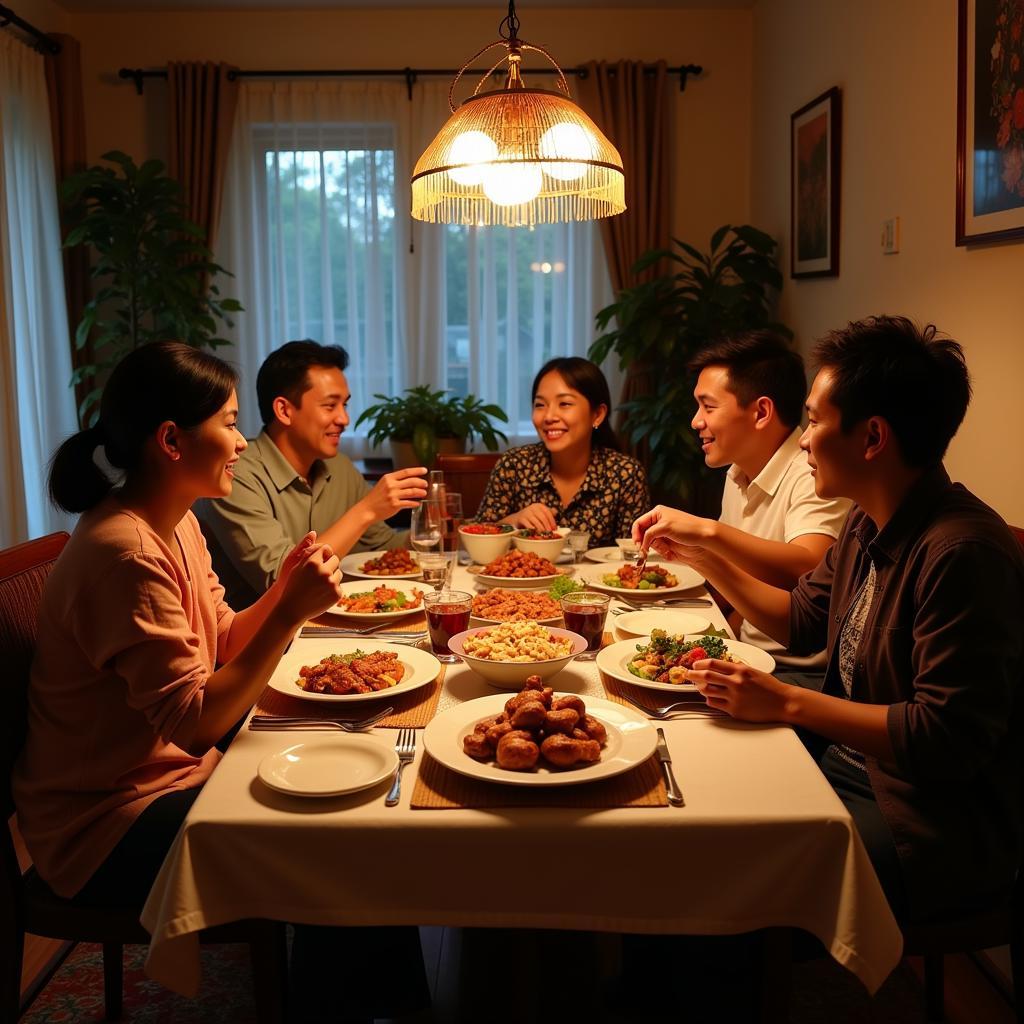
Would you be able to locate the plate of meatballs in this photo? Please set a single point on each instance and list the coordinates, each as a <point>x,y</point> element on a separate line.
<point>538,737</point>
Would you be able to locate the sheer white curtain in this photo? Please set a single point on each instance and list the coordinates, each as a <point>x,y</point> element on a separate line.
<point>317,231</point>
<point>38,406</point>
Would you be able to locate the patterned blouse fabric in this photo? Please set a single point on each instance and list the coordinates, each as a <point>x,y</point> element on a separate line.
<point>613,493</point>
<point>849,642</point>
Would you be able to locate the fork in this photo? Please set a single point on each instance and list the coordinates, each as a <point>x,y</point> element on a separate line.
<point>405,748</point>
<point>668,710</point>
<point>679,602</point>
<point>329,631</point>
<point>268,723</point>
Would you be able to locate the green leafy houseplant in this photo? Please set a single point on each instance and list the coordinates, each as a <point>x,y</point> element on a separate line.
<point>151,267</point>
<point>423,417</point>
<point>661,324</point>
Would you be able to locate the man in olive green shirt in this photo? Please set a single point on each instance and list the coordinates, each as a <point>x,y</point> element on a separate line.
<point>291,480</point>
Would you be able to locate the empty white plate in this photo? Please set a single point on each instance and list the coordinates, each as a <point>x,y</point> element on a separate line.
<point>668,619</point>
<point>328,765</point>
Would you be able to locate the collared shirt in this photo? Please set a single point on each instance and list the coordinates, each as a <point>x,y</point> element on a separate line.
<point>780,504</point>
<point>271,508</point>
<point>613,493</point>
<point>942,647</point>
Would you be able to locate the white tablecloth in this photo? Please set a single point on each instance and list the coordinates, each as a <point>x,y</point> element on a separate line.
<point>762,841</point>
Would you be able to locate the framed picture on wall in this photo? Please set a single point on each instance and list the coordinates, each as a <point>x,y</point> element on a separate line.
<point>990,121</point>
<point>815,131</point>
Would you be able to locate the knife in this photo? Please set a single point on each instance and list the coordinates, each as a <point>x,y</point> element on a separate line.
<point>675,796</point>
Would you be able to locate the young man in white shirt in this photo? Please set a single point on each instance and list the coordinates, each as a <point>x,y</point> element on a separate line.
<point>750,397</point>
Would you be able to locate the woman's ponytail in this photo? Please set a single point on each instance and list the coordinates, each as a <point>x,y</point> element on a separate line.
<point>76,482</point>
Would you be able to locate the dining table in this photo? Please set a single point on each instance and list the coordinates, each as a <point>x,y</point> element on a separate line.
<point>761,841</point>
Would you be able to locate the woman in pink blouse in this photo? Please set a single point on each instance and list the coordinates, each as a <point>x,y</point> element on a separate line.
<point>126,700</point>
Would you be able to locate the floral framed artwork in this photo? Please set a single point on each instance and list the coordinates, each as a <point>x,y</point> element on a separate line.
<point>990,121</point>
<point>815,132</point>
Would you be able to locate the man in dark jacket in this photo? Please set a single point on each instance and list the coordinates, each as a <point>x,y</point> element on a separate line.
<point>920,604</point>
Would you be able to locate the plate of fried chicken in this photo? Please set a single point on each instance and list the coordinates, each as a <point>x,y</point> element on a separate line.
<point>351,670</point>
<point>538,737</point>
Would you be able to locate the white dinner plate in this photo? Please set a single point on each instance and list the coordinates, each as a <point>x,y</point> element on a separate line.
<point>631,740</point>
<point>362,587</point>
<point>612,660</point>
<point>421,667</point>
<point>614,554</point>
<point>518,583</point>
<point>350,567</point>
<point>634,624</point>
<point>688,579</point>
<point>328,765</point>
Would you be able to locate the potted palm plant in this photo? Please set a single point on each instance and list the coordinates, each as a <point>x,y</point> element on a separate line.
<point>657,327</point>
<point>420,423</point>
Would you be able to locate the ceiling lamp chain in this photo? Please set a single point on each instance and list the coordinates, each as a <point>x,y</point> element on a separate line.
<point>517,156</point>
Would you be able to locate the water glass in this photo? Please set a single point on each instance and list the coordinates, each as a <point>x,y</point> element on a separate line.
<point>585,613</point>
<point>447,614</point>
<point>578,541</point>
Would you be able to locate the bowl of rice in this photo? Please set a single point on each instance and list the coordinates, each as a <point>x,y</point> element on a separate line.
<point>506,655</point>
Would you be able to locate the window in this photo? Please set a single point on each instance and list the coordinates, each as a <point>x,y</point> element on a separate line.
<point>316,230</point>
<point>330,215</point>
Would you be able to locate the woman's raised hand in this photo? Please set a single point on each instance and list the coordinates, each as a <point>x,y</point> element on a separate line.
<point>295,557</point>
<point>535,517</point>
<point>313,584</point>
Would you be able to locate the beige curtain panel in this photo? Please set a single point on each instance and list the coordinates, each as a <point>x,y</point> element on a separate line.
<point>67,126</point>
<point>202,112</point>
<point>633,108</point>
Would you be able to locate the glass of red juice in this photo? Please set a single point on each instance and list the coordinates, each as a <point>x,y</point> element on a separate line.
<point>584,613</point>
<point>447,614</point>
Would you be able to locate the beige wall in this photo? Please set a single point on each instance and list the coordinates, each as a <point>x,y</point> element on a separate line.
<point>713,116</point>
<point>895,61</point>
<point>44,14</point>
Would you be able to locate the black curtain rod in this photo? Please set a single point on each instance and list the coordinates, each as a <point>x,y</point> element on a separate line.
<point>137,75</point>
<point>42,40</point>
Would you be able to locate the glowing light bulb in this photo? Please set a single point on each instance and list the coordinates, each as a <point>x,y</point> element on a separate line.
<point>473,148</point>
<point>566,140</point>
<point>511,184</point>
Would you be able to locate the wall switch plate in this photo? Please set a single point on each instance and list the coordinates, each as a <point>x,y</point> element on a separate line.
<point>891,235</point>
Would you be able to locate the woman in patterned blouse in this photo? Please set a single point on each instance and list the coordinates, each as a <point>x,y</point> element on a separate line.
<point>576,476</point>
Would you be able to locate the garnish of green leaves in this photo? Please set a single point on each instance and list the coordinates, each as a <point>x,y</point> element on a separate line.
<point>676,646</point>
<point>562,586</point>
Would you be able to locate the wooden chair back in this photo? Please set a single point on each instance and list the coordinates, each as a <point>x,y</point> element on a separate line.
<point>468,475</point>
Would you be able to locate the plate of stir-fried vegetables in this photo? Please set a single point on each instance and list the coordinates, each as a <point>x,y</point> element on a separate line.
<point>362,600</point>
<point>662,661</point>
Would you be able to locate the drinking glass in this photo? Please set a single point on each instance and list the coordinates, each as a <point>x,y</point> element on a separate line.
<point>426,535</point>
<point>578,541</point>
<point>584,613</point>
<point>447,614</point>
<point>452,522</point>
<point>435,485</point>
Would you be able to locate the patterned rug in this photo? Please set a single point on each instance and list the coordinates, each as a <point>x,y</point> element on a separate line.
<point>822,991</point>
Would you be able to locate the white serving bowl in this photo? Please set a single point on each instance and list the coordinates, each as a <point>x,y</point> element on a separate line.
<point>549,549</point>
<point>485,547</point>
<point>510,675</point>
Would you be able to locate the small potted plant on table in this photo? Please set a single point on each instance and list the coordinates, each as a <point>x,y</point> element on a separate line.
<point>421,423</point>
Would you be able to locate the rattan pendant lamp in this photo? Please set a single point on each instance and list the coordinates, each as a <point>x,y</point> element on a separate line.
<point>517,156</point>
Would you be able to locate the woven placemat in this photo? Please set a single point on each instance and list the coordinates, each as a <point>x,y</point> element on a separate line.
<point>413,709</point>
<point>439,788</point>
